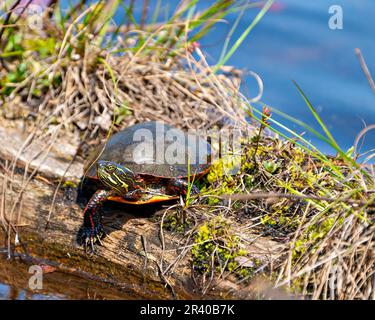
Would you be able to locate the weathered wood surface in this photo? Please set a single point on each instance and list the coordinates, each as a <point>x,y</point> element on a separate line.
<point>131,257</point>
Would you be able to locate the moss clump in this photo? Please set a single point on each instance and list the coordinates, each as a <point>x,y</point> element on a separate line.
<point>311,237</point>
<point>70,184</point>
<point>279,219</point>
<point>221,179</point>
<point>223,169</point>
<point>175,222</point>
<point>216,246</point>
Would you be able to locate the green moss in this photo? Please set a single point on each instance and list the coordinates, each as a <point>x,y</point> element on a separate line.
<point>279,217</point>
<point>270,166</point>
<point>245,273</point>
<point>44,47</point>
<point>223,169</point>
<point>215,248</point>
<point>70,184</point>
<point>16,76</point>
<point>222,178</point>
<point>175,222</point>
<point>312,236</point>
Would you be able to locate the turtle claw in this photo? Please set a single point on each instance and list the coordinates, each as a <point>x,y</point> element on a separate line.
<point>99,240</point>
<point>88,237</point>
<point>92,245</point>
<point>86,245</point>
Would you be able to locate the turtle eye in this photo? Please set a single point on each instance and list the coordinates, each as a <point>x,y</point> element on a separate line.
<point>110,168</point>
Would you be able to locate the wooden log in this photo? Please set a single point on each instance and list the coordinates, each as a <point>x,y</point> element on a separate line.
<point>132,257</point>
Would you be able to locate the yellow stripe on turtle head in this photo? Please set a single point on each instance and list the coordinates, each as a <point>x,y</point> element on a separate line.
<point>115,176</point>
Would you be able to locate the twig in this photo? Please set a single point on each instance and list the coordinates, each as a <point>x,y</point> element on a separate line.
<point>365,69</point>
<point>270,195</point>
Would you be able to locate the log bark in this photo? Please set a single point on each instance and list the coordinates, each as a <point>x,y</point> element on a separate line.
<point>133,255</point>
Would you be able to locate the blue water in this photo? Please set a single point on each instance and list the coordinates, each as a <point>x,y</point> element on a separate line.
<point>20,294</point>
<point>293,42</point>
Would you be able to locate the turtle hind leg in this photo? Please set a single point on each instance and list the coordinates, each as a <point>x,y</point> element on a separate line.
<point>177,186</point>
<point>92,230</point>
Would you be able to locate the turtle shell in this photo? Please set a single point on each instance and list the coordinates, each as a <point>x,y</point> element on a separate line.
<point>154,149</point>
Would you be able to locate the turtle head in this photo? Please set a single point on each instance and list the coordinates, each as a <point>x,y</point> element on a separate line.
<point>115,176</point>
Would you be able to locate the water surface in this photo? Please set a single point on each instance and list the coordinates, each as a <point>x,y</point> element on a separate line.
<point>293,41</point>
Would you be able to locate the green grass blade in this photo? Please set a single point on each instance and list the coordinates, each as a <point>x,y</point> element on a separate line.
<point>209,17</point>
<point>239,41</point>
<point>300,123</point>
<point>333,142</point>
<point>155,16</point>
<point>230,34</point>
<point>317,117</point>
<point>307,146</point>
<point>109,11</point>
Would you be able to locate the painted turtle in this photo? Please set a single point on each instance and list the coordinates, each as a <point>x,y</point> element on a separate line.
<point>145,163</point>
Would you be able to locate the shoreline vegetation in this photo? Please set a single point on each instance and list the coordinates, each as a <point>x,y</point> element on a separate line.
<point>291,220</point>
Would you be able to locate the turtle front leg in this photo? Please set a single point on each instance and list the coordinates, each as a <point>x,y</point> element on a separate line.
<point>179,186</point>
<point>134,194</point>
<point>92,229</point>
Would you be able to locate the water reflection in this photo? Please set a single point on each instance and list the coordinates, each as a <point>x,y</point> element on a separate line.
<point>11,292</point>
<point>57,285</point>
